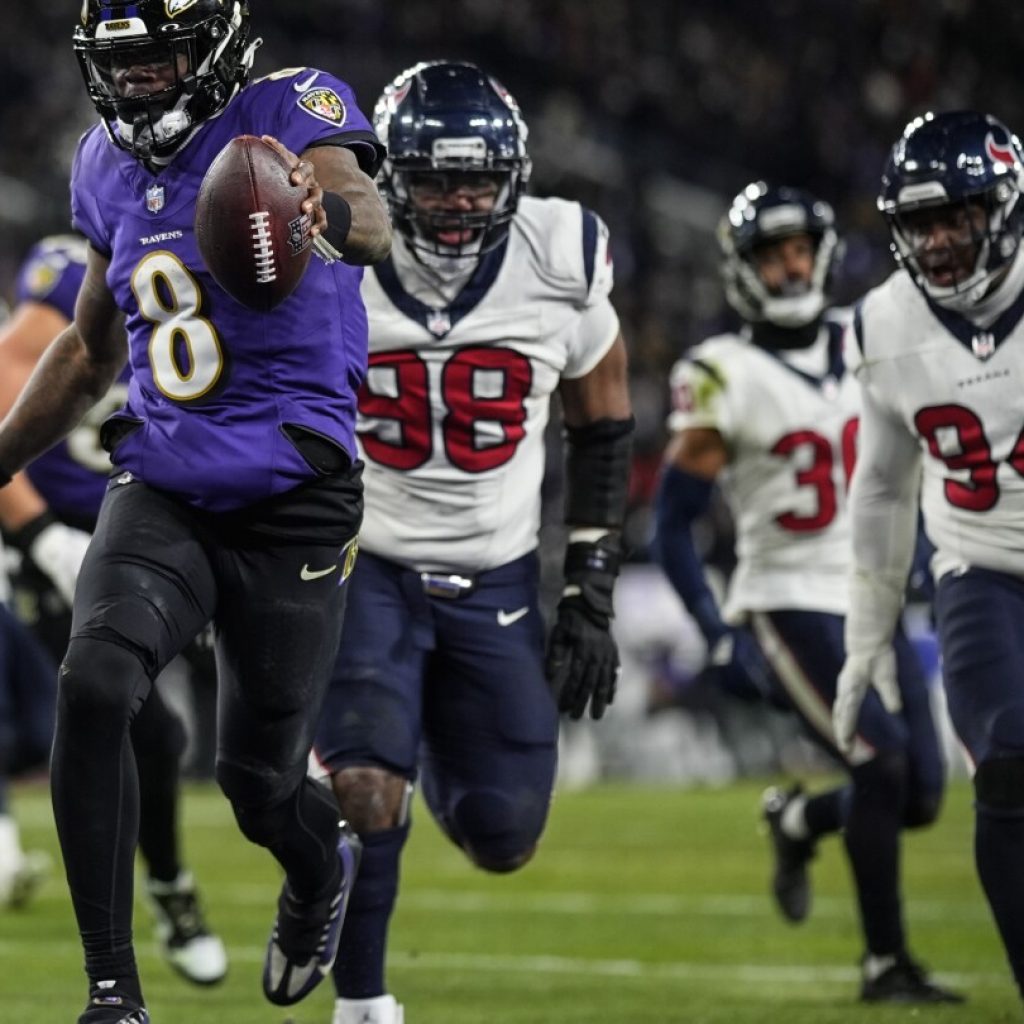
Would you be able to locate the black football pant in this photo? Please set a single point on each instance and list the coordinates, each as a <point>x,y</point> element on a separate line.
<point>271,579</point>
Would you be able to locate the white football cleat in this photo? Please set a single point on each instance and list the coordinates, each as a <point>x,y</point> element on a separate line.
<point>185,941</point>
<point>379,1010</point>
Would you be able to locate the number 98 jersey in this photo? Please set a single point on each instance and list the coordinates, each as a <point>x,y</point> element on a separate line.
<point>456,398</point>
<point>789,421</point>
<point>959,390</point>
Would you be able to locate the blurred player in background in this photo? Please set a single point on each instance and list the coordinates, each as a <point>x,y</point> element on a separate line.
<point>235,471</point>
<point>939,352</point>
<point>48,516</point>
<point>28,693</point>
<point>489,304</point>
<point>769,414</point>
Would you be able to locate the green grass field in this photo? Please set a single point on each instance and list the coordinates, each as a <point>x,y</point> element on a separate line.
<point>644,906</point>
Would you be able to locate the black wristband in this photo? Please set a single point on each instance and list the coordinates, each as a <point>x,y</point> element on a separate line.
<point>597,464</point>
<point>23,539</point>
<point>339,220</point>
<point>5,477</point>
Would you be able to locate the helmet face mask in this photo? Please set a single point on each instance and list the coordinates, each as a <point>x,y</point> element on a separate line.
<point>456,162</point>
<point>951,195</point>
<point>758,220</point>
<point>187,59</point>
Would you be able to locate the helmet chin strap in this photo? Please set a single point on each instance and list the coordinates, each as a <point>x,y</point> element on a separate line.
<point>794,310</point>
<point>144,134</point>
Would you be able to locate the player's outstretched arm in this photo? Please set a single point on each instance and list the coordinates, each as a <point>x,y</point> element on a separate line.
<point>73,374</point>
<point>347,210</point>
<point>582,660</point>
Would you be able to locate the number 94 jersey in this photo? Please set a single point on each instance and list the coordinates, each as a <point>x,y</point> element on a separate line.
<point>789,421</point>
<point>456,398</point>
<point>959,390</point>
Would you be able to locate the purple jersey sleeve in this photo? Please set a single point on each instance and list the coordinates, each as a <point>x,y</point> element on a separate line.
<point>52,273</point>
<point>85,212</point>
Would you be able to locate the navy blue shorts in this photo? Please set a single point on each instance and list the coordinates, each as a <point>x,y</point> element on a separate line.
<point>28,698</point>
<point>806,650</point>
<point>980,617</point>
<point>452,685</point>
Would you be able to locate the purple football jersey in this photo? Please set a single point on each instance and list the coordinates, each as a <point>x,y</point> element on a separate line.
<point>213,383</point>
<point>71,476</point>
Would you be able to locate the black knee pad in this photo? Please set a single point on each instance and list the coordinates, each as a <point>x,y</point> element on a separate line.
<point>497,835</point>
<point>884,776</point>
<point>922,809</point>
<point>999,787</point>
<point>260,796</point>
<point>101,679</point>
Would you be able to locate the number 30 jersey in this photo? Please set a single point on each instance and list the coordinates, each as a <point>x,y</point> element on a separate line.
<point>789,421</point>
<point>455,402</point>
<point>959,390</point>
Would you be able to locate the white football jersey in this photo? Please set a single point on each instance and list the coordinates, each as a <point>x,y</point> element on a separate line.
<point>453,410</point>
<point>789,421</point>
<point>959,390</point>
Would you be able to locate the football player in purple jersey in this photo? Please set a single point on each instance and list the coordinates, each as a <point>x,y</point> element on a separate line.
<point>48,514</point>
<point>236,495</point>
<point>491,301</point>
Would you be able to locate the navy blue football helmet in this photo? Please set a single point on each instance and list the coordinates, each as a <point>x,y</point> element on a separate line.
<point>205,43</point>
<point>444,118</point>
<point>760,214</point>
<point>955,158</point>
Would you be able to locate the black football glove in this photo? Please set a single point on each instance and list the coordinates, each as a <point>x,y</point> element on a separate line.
<point>582,660</point>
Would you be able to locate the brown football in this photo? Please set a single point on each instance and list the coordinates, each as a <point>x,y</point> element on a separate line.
<point>250,227</point>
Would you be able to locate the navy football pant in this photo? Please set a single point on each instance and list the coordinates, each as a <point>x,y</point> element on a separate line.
<point>28,686</point>
<point>981,634</point>
<point>156,572</point>
<point>896,767</point>
<point>452,689</point>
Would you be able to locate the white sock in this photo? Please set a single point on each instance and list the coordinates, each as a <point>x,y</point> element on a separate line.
<point>876,966</point>
<point>10,845</point>
<point>377,1010</point>
<point>794,821</point>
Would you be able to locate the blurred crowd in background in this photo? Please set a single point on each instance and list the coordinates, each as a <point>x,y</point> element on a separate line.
<point>653,114</point>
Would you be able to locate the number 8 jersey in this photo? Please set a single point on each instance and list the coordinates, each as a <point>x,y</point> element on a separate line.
<point>453,410</point>
<point>789,420</point>
<point>959,389</point>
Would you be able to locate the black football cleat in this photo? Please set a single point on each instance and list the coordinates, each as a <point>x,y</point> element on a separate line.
<point>905,981</point>
<point>107,1005</point>
<point>791,882</point>
<point>185,941</point>
<point>305,939</point>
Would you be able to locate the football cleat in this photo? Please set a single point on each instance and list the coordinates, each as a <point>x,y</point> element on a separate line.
<point>185,941</point>
<point>19,884</point>
<point>108,1006</point>
<point>902,980</point>
<point>378,1010</point>
<point>791,883</point>
<point>304,942</point>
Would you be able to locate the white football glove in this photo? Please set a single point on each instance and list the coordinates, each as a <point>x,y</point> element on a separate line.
<point>58,551</point>
<point>859,672</point>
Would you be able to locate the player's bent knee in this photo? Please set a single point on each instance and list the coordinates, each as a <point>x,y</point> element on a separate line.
<point>922,810</point>
<point>260,797</point>
<point>372,799</point>
<point>884,775</point>
<point>101,678</point>
<point>494,834</point>
<point>999,787</point>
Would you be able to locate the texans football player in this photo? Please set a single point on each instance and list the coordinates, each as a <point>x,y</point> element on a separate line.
<point>49,517</point>
<point>769,414</point>
<point>236,482</point>
<point>939,353</point>
<point>490,302</point>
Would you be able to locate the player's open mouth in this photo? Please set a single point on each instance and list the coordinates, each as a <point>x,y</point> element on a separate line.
<point>454,236</point>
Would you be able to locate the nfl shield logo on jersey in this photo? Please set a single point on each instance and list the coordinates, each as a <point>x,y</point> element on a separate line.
<point>983,344</point>
<point>438,323</point>
<point>155,198</point>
